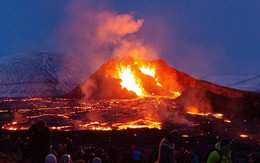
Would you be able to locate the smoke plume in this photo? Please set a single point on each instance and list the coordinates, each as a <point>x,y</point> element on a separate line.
<point>95,34</point>
<point>91,34</point>
<point>112,27</point>
<point>172,115</point>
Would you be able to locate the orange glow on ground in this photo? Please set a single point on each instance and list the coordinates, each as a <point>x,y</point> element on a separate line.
<point>185,136</point>
<point>65,115</point>
<point>218,115</point>
<point>96,126</point>
<point>195,111</point>
<point>244,136</point>
<point>192,110</point>
<point>139,124</point>
<point>227,121</point>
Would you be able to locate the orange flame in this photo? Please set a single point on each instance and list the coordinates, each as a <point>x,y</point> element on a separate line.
<point>129,81</point>
<point>148,71</point>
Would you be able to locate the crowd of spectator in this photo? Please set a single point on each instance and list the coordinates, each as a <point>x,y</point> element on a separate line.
<point>82,147</point>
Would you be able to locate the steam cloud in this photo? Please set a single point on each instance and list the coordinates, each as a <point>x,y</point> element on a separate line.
<point>96,35</point>
<point>93,34</point>
<point>111,27</point>
<point>172,115</point>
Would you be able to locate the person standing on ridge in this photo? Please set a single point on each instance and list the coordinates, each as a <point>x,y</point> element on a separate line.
<point>39,141</point>
<point>166,152</point>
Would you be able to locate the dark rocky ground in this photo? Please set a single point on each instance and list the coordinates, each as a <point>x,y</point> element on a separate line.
<point>147,140</point>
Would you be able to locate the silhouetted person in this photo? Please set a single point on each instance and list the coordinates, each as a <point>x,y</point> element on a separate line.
<point>70,148</point>
<point>254,157</point>
<point>96,159</point>
<point>112,154</point>
<point>39,141</point>
<point>50,158</point>
<point>222,152</point>
<point>65,159</point>
<point>166,152</point>
<point>154,155</point>
<point>137,155</point>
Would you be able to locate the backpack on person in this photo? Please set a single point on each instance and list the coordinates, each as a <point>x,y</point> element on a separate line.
<point>205,158</point>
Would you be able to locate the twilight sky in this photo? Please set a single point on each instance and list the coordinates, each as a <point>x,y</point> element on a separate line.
<point>197,37</point>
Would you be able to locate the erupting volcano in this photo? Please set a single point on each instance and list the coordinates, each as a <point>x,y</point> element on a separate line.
<point>131,78</point>
<point>133,93</point>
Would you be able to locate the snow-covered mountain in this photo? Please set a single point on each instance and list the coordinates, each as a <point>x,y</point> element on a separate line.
<point>38,75</point>
<point>45,74</point>
<point>247,82</point>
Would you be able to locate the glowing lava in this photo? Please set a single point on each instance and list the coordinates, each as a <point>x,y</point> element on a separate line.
<point>148,71</point>
<point>195,111</point>
<point>85,115</point>
<point>243,135</point>
<point>132,80</point>
<point>139,124</point>
<point>129,81</point>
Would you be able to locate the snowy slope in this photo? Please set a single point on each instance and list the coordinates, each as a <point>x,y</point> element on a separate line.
<point>248,82</point>
<point>37,75</point>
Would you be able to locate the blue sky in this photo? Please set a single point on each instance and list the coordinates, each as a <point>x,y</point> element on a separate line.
<point>198,37</point>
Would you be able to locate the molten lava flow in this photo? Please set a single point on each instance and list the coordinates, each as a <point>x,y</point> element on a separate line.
<point>176,94</point>
<point>218,115</point>
<point>95,126</point>
<point>227,120</point>
<point>195,111</point>
<point>129,80</point>
<point>244,135</point>
<point>141,123</point>
<point>13,127</point>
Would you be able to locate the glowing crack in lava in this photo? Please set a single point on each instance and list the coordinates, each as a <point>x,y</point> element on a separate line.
<point>195,111</point>
<point>103,115</point>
